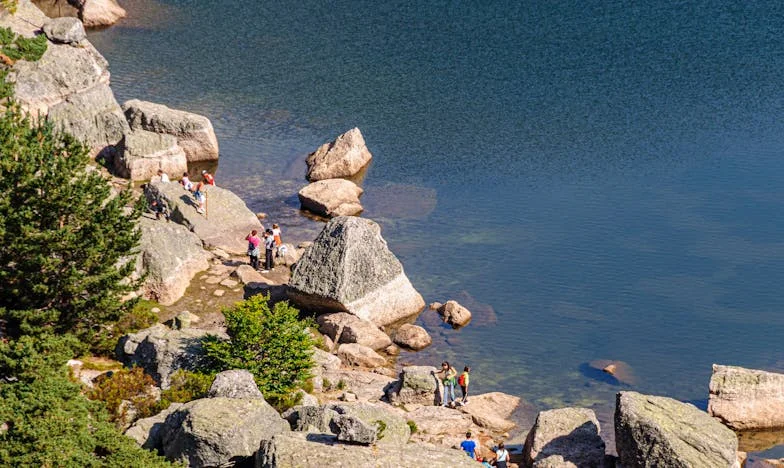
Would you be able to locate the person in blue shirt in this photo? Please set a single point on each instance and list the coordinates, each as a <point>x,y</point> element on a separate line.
<point>469,446</point>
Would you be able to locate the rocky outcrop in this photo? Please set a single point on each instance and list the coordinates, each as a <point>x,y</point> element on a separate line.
<point>141,154</point>
<point>342,327</point>
<point>193,132</point>
<point>147,432</point>
<point>412,337</point>
<point>454,314</point>
<point>566,437</point>
<point>492,410</point>
<point>344,157</point>
<point>439,422</point>
<point>219,431</point>
<point>331,197</point>
<point>237,383</point>
<point>416,385</point>
<point>354,354</point>
<point>161,351</point>
<point>311,418</point>
<point>349,268</point>
<point>227,222</point>
<point>97,13</point>
<point>658,431</point>
<point>170,255</point>
<point>299,449</point>
<point>367,386</point>
<point>64,30</point>
<point>747,398</point>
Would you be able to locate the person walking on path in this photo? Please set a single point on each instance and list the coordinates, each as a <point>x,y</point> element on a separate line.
<point>469,446</point>
<point>269,246</point>
<point>208,178</point>
<point>448,374</point>
<point>501,456</point>
<point>186,182</point>
<point>253,248</point>
<point>163,176</point>
<point>463,381</point>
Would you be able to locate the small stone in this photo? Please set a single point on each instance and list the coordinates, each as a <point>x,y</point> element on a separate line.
<point>261,215</point>
<point>202,288</point>
<point>229,283</point>
<point>184,320</point>
<point>347,396</point>
<point>435,305</point>
<point>214,279</point>
<point>218,292</point>
<point>222,254</point>
<point>155,310</point>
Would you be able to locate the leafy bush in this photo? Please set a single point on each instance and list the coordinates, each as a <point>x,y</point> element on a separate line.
<point>186,386</point>
<point>272,344</point>
<point>126,384</point>
<point>412,425</point>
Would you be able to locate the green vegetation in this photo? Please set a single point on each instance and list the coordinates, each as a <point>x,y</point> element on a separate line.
<point>125,384</point>
<point>381,426</point>
<point>272,344</point>
<point>186,386</point>
<point>412,425</point>
<point>9,5</point>
<point>17,47</point>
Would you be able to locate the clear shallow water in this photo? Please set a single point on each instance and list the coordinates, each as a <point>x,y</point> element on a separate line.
<point>606,178</point>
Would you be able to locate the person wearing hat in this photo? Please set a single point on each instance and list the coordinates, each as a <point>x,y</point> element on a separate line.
<point>208,178</point>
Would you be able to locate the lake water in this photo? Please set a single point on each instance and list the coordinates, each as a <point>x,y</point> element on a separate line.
<point>606,177</point>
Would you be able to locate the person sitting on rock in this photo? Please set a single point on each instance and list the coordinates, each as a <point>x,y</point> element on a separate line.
<point>448,374</point>
<point>469,446</point>
<point>163,176</point>
<point>186,182</point>
<point>201,197</point>
<point>208,178</point>
<point>160,210</point>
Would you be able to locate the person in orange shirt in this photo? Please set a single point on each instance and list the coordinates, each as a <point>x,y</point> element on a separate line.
<point>208,178</point>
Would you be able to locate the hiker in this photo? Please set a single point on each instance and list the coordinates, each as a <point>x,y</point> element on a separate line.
<point>208,178</point>
<point>269,245</point>
<point>160,210</point>
<point>253,248</point>
<point>201,197</point>
<point>448,379</point>
<point>163,176</point>
<point>501,456</point>
<point>463,381</point>
<point>469,446</point>
<point>186,182</point>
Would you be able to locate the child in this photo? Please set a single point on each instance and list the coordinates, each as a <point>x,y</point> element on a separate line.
<point>200,196</point>
<point>186,182</point>
<point>160,210</point>
<point>208,178</point>
<point>463,381</point>
<point>276,234</point>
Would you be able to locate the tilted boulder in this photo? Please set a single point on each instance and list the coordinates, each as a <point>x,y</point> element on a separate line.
<point>64,30</point>
<point>343,327</point>
<point>311,418</point>
<point>331,197</point>
<point>349,268</point>
<point>652,431</point>
<point>454,314</point>
<point>354,354</point>
<point>412,337</point>
<point>566,437</point>
<point>219,431</point>
<point>236,383</point>
<point>228,220</point>
<point>492,410</point>
<point>354,430</point>
<point>170,255</point>
<point>147,432</point>
<point>417,384</point>
<point>141,154</point>
<point>193,132</point>
<point>747,398</point>
<point>344,157</point>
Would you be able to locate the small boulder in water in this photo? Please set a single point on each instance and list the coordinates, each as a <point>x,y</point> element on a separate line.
<point>331,197</point>
<point>344,157</point>
<point>454,314</point>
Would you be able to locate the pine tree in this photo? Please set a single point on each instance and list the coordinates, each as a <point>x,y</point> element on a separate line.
<point>64,236</point>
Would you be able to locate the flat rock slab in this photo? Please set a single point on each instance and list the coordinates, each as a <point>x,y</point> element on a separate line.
<point>492,410</point>
<point>331,197</point>
<point>747,398</point>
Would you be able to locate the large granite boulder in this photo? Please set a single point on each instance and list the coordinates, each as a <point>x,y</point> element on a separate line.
<point>236,383</point>
<point>349,268</point>
<point>412,337</point>
<point>311,418</point>
<point>566,437</point>
<point>141,154</point>
<point>331,197</point>
<point>354,354</point>
<point>492,410</point>
<point>227,222</point>
<point>354,430</point>
<point>652,431</point>
<point>417,385</point>
<point>390,427</point>
<point>161,351</point>
<point>147,431</point>
<point>64,30</point>
<point>367,386</point>
<point>170,255</point>
<point>342,327</point>
<point>747,398</point>
<point>344,157</point>
<point>219,431</point>
<point>193,132</point>
<point>97,13</point>
<point>440,423</point>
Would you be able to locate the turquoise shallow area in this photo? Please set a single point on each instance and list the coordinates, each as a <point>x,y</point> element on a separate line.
<point>606,177</point>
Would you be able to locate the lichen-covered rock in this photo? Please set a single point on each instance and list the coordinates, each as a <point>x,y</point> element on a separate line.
<point>140,154</point>
<point>454,314</point>
<point>747,398</point>
<point>170,255</point>
<point>652,431</point>
<point>388,424</point>
<point>343,327</point>
<point>354,354</point>
<point>226,223</point>
<point>349,268</point>
<point>412,337</point>
<point>417,384</point>
<point>219,431</point>
<point>367,386</point>
<point>344,157</point>
<point>354,430</point>
<point>193,132</point>
<point>64,30</point>
<point>147,432</point>
<point>331,197</point>
<point>97,13</point>
<point>237,383</point>
<point>566,437</point>
<point>311,418</point>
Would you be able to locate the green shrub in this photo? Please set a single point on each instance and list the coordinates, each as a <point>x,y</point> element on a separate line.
<point>272,344</point>
<point>187,386</point>
<point>412,425</point>
<point>381,426</point>
<point>326,384</point>
<point>125,384</point>
<point>341,384</point>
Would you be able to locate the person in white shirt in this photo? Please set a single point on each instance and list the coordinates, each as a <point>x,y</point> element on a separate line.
<point>501,456</point>
<point>186,182</point>
<point>163,176</point>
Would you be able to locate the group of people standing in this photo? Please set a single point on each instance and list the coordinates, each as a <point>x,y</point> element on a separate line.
<point>270,240</point>
<point>199,193</point>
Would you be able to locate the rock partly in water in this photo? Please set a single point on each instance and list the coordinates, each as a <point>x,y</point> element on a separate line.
<point>454,314</point>
<point>354,354</point>
<point>228,220</point>
<point>342,327</point>
<point>566,437</point>
<point>193,132</point>
<point>619,370</point>
<point>64,30</point>
<point>98,13</point>
<point>349,268</point>
<point>236,383</point>
<point>331,197</point>
<point>655,431</point>
<point>141,154</point>
<point>412,337</point>
<point>747,398</point>
<point>416,385</point>
<point>170,255</point>
<point>219,431</point>
<point>147,432</point>
<point>344,157</point>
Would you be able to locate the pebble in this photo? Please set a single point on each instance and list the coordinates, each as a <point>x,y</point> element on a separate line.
<point>155,310</point>
<point>218,292</point>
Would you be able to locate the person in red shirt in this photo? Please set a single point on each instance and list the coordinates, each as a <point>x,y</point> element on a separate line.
<point>208,178</point>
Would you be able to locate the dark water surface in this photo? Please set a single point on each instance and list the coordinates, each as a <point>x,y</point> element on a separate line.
<point>606,177</point>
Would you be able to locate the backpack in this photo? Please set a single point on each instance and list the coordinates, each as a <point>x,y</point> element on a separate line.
<point>461,380</point>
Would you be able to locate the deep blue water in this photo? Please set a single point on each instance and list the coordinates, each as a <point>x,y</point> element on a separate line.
<point>607,177</point>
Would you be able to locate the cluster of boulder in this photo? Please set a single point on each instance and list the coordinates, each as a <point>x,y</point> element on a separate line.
<point>93,13</point>
<point>330,193</point>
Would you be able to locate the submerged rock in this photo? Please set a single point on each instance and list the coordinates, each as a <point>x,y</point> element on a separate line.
<point>622,371</point>
<point>658,431</point>
<point>344,157</point>
<point>331,197</point>
<point>349,268</point>
<point>747,398</point>
<point>566,437</point>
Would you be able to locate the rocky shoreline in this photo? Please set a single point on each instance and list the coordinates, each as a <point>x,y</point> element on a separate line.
<point>364,410</point>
